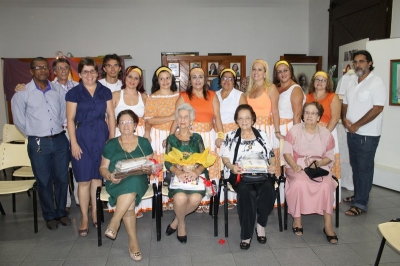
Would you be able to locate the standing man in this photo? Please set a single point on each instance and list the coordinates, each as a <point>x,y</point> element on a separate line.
<point>362,117</point>
<point>111,68</point>
<point>215,84</point>
<point>39,113</point>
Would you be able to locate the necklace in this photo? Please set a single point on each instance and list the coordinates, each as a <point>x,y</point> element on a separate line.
<point>319,97</point>
<point>122,146</point>
<point>314,135</point>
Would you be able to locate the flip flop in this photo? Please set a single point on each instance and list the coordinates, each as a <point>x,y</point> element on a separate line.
<point>348,199</point>
<point>199,209</point>
<point>354,211</point>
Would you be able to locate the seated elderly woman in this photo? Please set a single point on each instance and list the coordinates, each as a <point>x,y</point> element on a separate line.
<point>185,201</point>
<point>304,144</point>
<point>127,192</point>
<point>255,199</point>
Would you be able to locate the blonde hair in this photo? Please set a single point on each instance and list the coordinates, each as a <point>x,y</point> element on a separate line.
<point>267,81</point>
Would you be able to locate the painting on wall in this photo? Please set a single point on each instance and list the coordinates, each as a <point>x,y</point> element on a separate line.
<point>394,89</point>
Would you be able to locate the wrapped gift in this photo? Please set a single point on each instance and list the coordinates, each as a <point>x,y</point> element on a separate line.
<point>138,166</point>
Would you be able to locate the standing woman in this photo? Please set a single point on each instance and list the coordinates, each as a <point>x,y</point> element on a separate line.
<point>263,97</point>
<point>207,109</point>
<point>291,96</point>
<point>321,91</point>
<point>87,104</point>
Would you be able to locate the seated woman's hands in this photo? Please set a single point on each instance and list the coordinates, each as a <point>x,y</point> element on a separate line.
<point>296,168</point>
<point>236,169</point>
<point>112,178</point>
<point>186,176</point>
<point>271,169</point>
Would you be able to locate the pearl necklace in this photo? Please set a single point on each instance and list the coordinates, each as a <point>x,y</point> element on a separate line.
<point>315,134</point>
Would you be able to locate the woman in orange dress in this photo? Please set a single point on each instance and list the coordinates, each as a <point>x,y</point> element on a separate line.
<point>263,97</point>
<point>207,108</point>
<point>321,91</point>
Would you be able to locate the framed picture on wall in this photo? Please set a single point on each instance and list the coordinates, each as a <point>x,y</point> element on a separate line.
<point>195,64</point>
<point>175,68</point>
<point>236,67</point>
<point>304,67</point>
<point>394,89</point>
<point>212,68</point>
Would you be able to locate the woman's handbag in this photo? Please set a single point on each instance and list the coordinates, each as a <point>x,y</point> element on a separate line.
<point>315,172</point>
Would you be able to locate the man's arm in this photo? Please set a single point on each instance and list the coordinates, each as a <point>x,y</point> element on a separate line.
<point>18,106</point>
<point>368,117</point>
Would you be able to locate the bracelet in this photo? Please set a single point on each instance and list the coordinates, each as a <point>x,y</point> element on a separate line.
<point>220,135</point>
<point>277,131</point>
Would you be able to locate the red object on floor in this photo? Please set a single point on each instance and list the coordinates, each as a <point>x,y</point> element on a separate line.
<point>221,241</point>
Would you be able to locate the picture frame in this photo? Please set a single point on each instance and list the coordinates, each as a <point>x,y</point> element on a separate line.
<point>394,89</point>
<point>212,69</point>
<point>235,66</point>
<point>304,67</point>
<point>195,64</point>
<point>175,68</point>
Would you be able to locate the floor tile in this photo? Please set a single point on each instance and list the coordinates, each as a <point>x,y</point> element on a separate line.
<point>297,256</point>
<point>328,255</point>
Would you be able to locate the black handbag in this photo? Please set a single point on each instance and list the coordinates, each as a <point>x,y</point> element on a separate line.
<point>315,172</point>
<point>248,178</point>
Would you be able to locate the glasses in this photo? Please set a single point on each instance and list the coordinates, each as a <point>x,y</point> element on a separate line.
<point>126,122</point>
<point>66,68</point>
<point>321,80</point>
<point>41,67</point>
<point>226,79</point>
<point>87,72</point>
<point>311,113</point>
<point>110,66</point>
<point>244,119</point>
<point>355,62</point>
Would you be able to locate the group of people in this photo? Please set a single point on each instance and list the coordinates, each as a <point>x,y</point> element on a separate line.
<point>111,120</point>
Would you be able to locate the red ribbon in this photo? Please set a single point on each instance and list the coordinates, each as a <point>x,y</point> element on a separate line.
<point>238,178</point>
<point>208,183</point>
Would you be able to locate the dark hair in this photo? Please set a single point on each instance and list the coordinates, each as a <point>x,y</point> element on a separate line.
<point>189,90</point>
<point>317,105</point>
<point>139,87</point>
<point>107,58</point>
<point>37,59</point>
<point>156,86</point>
<point>248,108</point>
<point>129,112</point>
<point>329,83</point>
<point>368,56</point>
<point>235,85</point>
<point>236,67</point>
<point>87,61</point>
<point>60,60</point>
<point>212,64</point>
<point>276,80</point>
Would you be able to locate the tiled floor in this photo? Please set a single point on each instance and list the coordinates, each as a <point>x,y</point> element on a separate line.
<point>358,240</point>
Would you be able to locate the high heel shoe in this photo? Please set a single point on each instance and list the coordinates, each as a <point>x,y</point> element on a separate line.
<point>330,238</point>
<point>182,239</point>
<point>245,245</point>
<point>111,234</point>
<point>170,230</point>
<point>137,256</point>
<point>95,224</point>
<point>261,239</point>
<point>298,231</point>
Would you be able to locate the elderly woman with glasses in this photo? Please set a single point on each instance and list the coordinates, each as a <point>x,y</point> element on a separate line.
<point>87,104</point>
<point>305,144</point>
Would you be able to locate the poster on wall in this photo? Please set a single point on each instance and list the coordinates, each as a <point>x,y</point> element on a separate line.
<point>346,52</point>
<point>394,89</point>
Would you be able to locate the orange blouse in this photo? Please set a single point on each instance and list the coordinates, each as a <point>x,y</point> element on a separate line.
<point>326,103</point>
<point>261,105</point>
<point>204,108</point>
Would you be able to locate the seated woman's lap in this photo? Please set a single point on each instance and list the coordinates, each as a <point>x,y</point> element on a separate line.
<point>127,198</point>
<point>257,195</point>
<point>182,197</point>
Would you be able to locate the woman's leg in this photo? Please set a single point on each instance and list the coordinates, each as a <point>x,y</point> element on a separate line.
<point>93,186</point>
<point>183,205</point>
<point>246,208</point>
<point>328,229</point>
<point>124,202</point>
<point>129,219</point>
<point>265,199</point>
<point>84,197</point>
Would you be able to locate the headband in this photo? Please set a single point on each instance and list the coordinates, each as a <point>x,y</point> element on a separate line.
<point>227,70</point>
<point>163,69</point>
<point>321,73</point>
<point>262,62</point>
<point>197,68</point>
<point>136,70</point>
<point>282,62</point>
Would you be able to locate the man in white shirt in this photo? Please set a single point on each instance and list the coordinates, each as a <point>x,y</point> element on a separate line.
<point>111,70</point>
<point>362,117</point>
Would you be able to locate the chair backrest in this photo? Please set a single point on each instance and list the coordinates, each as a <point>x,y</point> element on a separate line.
<point>12,155</point>
<point>12,133</point>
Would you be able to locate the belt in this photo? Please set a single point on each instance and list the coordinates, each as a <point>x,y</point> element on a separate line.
<point>53,136</point>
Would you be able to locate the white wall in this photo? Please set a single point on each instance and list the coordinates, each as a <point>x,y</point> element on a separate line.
<point>395,31</point>
<point>319,30</point>
<point>143,29</point>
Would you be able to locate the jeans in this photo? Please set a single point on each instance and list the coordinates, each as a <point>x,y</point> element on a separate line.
<point>49,159</point>
<point>362,151</point>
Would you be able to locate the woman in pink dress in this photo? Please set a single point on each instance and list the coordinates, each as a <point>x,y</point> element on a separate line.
<point>305,143</point>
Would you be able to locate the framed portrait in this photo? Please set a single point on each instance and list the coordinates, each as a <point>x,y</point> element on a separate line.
<point>195,64</point>
<point>236,67</point>
<point>394,89</point>
<point>212,69</point>
<point>304,67</point>
<point>175,68</point>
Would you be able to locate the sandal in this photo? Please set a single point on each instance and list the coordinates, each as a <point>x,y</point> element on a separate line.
<point>170,206</point>
<point>164,207</point>
<point>348,199</point>
<point>354,211</point>
<point>298,231</point>
<point>231,206</point>
<point>244,245</point>
<point>139,215</point>
<point>330,238</point>
<point>111,234</point>
<point>199,209</point>
<point>206,208</point>
<point>137,256</point>
<point>83,232</point>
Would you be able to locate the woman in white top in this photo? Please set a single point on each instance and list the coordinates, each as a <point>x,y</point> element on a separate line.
<point>132,96</point>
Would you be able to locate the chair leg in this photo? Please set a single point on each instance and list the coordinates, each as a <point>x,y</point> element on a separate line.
<point>226,209</point>
<point>337,207</point>
<point>211,206</point>
<point>215,208</point>
<point>154,202</point>
<point>279,206</point>
<point>1,209</point>
<point>35,216</point>
<point>13,203</point>
<point>99,207</point>
<point>5,175</point>
<point>378,257</point>
<point>159,210</point>
<point>285,212</point>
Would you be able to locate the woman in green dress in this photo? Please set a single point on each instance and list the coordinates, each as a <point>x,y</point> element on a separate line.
<point>185,201</point>
<point>128,192</point>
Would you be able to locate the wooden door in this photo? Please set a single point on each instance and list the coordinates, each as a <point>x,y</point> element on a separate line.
<point>353,20</point>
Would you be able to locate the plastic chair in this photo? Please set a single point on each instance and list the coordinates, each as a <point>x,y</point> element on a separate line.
<point>102,195</point>
<point>391,233</point>
<point>11,134</point>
